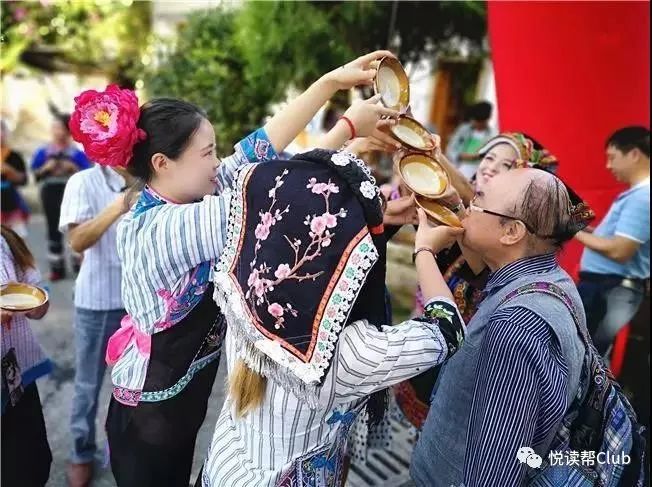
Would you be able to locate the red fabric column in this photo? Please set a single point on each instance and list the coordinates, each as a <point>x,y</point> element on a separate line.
<point>569,74</point>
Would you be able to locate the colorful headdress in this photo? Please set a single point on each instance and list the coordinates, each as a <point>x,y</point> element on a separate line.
<point>581,213</point>
<point>305,256</point>
<point>528,156</point>
<point>105,123</point>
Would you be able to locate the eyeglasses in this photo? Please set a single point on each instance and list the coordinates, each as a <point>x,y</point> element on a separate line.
<point>474,207</point>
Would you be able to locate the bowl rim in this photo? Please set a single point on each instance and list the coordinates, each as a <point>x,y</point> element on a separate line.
<point>411,120</point>
<point>24,284</point>
<point>434,215</point>
<point>431,160</point>
<point>395,65</point>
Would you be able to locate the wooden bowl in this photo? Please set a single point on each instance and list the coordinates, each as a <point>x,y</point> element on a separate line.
<point>423,175</point>
<point>17,296</point>
<point>392,84</point>
<point>411,134</point>
<point>438,213</point>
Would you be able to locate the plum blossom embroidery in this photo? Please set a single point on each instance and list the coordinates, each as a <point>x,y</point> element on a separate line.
<point>263,279</point>
<point>269,218</point>
<point>368,190</point>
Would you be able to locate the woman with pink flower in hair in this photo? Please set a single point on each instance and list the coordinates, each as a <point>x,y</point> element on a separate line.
<point>166,353</point>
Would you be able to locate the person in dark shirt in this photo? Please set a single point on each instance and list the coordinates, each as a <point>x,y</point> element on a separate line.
<point>52,166</point>
<point>15,212</point>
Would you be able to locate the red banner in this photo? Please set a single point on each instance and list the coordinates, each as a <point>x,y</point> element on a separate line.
<point>569,74</point>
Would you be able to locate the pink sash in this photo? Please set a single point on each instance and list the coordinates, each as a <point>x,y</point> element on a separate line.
<point>122,338</point>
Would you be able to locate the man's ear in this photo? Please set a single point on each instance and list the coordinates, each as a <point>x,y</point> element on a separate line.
<point>636,155</point>
<point>513,232</point>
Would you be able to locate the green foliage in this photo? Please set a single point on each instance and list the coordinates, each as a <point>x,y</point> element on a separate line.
<point>205,68</point>
<point>420,28</point>
<point>236,62</point>
<point>110,37</point>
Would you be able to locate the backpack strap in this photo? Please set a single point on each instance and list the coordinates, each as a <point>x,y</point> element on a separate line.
<point>556,291</point>
<point>593,397</point>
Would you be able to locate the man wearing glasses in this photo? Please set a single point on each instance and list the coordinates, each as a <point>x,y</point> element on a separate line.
<point>510,384</point>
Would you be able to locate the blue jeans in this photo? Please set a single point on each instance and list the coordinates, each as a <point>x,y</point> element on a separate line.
<point>92,331</point>
<point>608,310</point>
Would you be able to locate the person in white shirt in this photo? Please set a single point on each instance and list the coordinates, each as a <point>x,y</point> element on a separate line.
<point>93,202</point>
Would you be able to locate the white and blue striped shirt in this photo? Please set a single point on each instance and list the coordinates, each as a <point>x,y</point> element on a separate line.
<point>259,448</point>
<point>166,251</point>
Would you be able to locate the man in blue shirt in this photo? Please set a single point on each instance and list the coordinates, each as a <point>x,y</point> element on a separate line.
<point>616,262</point>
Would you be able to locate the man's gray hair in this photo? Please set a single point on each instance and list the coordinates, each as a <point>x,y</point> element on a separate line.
<point>545,206</point>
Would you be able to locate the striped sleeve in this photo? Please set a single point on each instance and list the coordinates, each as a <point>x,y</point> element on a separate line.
<point>76,206</point>
<point>256,147</point>
<point>184,236</point>
<point>370,359</point>
<point>519,395</point>
<point>7,267</point>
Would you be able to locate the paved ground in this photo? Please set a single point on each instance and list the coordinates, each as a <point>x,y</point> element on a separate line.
<point>55,335</point>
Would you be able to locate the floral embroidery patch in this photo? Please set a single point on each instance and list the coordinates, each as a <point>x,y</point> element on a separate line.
<point>297,254</point>
<point>320,232</point>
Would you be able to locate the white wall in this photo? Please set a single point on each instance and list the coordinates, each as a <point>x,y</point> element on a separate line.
<point>25,98</point>
<point>486,89</point>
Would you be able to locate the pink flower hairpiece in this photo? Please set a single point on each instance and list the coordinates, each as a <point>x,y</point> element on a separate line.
<point>105,123</point>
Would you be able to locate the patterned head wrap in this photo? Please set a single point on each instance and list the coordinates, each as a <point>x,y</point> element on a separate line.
<point>305,256</point>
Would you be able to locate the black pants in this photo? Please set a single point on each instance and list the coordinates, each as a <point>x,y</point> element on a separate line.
<point>152,444</point>
<point>51,198</point>
<point>26,456</point>
<point>137,463</point>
